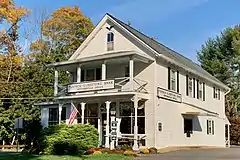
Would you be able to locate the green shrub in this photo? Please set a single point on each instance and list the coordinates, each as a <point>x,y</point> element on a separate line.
<point>69,139</point>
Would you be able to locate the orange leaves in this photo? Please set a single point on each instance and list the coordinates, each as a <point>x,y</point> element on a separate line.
<point>11,13</point>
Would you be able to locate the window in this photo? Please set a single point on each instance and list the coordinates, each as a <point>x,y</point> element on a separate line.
<point>200,90</point>
<point>127,115</point>
<point>90,114</point>
<point>190,86</point>
<point>159,126</point>
<point>173,80</point>
<point>216,93</point>
<point>91,74</point>
<point>110,41</point>
<point>53,116</point>
<point>64,114</point>
<point>210,127</point>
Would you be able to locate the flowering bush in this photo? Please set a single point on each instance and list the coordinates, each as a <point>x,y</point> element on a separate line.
<point>97,152</point>
<point>144,151</point>
<point>92,150</point>
<point>128,153</point>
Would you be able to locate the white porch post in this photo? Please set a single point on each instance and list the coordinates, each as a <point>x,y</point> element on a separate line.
<point>135,145</point>
<point>131,72</point>
<point>55,83</point>
<point>228,136</point>
<point>107,126</point>
<point>104,71</point>
<point>79,73</point>
<point>99,125</point>
<point>83,108</point>
<point>60,113</point>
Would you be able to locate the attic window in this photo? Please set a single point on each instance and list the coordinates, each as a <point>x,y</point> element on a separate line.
<point>110,41</point>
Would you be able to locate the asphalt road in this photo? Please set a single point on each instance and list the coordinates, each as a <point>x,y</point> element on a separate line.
<point>210,154</point>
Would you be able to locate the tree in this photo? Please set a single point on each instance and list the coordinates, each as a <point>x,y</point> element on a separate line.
<point>220,56</point>
<point>10,65</point>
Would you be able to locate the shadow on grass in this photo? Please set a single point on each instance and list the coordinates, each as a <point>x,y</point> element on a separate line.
<point>22,156</point>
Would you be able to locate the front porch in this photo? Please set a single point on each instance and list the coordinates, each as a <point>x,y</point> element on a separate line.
<point>118,119</point>
<point>111,72</point>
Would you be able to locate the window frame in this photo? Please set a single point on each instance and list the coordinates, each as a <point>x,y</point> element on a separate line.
<point>216,93</point>
<point>190,90</point>
<point>84,74</point>
<point>210,127</point>
<point>52,121</point>
<point>110,41</point>
<point>173,78</point>
<point>131,116</point>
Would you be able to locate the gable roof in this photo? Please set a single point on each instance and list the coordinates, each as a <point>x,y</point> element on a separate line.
<point>162,49</point>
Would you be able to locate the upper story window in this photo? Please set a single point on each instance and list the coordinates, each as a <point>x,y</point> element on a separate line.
<point>200,90</point>
<point>190,86</point>
<point>173,80</point>
<point>110,41</point>
<point>216,93</point>
<point>91,74</point>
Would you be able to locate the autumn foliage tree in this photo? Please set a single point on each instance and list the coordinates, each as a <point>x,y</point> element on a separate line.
<point>25,79</point>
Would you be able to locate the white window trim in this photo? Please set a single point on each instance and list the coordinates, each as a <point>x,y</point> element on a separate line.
<point>217,93</point>
<point>210,127</point>
<point>190,91</point>
<point>173,77</point>
<point>200,90</point>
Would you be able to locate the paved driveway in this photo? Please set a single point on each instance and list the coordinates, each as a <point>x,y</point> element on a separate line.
<point>211,154</point>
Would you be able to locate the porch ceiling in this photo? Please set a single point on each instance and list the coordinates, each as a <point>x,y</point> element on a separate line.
<point>120,55</point>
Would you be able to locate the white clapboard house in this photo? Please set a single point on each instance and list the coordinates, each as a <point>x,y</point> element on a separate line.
<point>135,90</point>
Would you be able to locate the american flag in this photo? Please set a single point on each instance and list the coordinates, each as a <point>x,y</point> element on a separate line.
<point>73,114</point>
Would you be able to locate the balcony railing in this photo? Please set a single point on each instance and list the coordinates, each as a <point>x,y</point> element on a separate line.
<point>121,84</point>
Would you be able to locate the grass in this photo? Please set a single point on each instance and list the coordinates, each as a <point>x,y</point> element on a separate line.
<point>18,156</point>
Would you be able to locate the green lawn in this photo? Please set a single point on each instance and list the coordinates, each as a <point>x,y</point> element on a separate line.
<point>15,156</point>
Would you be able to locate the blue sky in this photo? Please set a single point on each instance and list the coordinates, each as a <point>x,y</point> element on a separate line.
<point>183,25</point>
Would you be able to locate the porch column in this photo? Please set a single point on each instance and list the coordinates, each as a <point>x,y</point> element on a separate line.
<point>55,83</point>
<point>131,72</point>
<point>107,126</point>
<point>79,73</point>
<point>228,144</point>
<point>83,108</point>
<point>60,113</point>
<point>99,125</point>
<point>135,145</point>
<point>104,71</point>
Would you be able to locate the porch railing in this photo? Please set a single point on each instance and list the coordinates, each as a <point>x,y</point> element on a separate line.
<point>122,84</point>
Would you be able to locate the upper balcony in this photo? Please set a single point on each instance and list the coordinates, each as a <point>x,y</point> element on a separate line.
<point>112,72</point>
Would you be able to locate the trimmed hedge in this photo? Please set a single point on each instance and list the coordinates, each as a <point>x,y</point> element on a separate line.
<point>69,139</point>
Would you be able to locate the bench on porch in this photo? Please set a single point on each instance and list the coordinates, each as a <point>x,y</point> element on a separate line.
<point>129,139</point>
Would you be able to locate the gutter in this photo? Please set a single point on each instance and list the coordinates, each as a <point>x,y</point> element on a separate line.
<point>229,89</point>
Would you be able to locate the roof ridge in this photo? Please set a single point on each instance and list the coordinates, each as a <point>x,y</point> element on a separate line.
<point>164,50</point>
<point>149,37</point>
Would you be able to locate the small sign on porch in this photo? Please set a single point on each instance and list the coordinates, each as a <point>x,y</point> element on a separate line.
<point>169,95</point>
<point>90,86</point>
